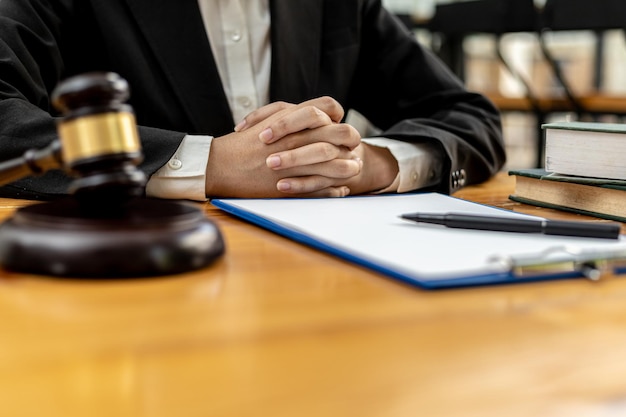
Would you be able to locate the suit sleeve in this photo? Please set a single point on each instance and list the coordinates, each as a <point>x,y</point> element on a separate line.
<point>35,54</point>
<point>406,91</point>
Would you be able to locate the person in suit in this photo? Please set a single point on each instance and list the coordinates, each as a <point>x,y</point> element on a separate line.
<point>247,98</point>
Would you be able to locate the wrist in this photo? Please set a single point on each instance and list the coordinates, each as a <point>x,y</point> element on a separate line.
<point>380,169</point>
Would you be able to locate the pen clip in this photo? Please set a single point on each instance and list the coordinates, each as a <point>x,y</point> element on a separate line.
<point>594,264</point>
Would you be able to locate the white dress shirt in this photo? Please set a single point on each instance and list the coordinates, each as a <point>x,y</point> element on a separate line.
<point>239,33</point>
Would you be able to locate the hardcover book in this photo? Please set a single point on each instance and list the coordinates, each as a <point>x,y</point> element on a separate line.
<point>603,198</point>
<point>586,149</point>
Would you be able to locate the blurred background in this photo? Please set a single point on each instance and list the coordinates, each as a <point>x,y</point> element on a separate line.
<point>538,60</point>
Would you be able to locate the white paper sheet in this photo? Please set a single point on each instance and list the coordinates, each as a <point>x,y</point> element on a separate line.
<point>368,230</point>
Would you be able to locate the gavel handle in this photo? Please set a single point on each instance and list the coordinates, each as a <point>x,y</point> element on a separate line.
<point>32,162</point>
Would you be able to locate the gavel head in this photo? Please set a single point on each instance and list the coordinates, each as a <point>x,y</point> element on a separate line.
<point>99,140</point>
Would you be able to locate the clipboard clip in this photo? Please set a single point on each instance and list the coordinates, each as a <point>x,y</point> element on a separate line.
<point>594,264</point>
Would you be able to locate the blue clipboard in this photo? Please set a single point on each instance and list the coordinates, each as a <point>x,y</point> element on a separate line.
<point>367,231</point>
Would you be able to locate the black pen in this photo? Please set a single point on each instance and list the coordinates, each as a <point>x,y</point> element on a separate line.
<point>519,225</point>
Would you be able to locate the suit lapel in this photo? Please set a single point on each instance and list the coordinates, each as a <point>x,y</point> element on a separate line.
<point>296,40</point>
<point>176,33</point>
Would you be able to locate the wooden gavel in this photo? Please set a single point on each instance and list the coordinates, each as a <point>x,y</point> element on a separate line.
<point>104,228</point>
<point>98,141</point>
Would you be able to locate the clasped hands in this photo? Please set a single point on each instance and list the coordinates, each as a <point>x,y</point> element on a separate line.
<point>297,150</point>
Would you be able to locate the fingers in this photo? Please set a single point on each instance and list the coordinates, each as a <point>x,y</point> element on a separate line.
<point>335,169</point>
<point>316,168</point>
<point>309,117</point>
<point>314,153</point>
<point>326,105</point>
<point>311,148</point>
<point>261,114</point>
<point>321,179</point>
<point>312,186</point>
<point>340,135</point>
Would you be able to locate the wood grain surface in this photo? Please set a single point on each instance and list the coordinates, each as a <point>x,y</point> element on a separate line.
<point>277,329</point>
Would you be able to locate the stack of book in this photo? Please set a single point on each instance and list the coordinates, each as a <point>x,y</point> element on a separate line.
<point>585,171</point>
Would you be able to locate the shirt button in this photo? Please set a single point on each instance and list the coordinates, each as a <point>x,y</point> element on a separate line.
<point>175,163</point>
<point>245,102</point>
<point>236,36</point>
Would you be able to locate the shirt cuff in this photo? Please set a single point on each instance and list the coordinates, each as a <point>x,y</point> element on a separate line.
<point>419,164</point>
<point>184,175</point>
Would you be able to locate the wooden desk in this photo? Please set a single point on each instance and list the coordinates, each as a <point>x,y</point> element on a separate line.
<point>278,329</point>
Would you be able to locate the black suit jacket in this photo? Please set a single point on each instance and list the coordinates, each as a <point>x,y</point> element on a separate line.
<point>352,50</point>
